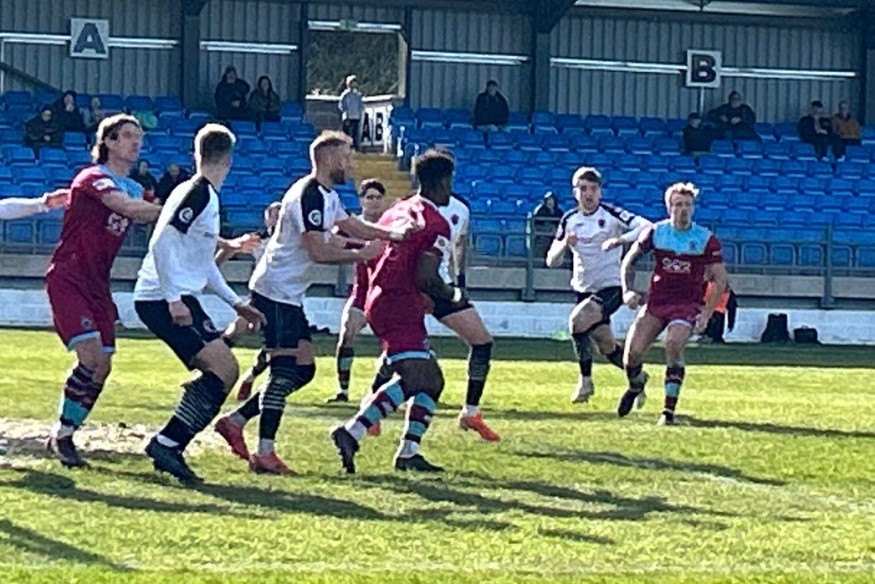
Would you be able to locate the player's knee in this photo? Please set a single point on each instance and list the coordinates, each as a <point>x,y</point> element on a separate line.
<point>100,364</point>
<point>673,349</point>
<point>584,318</point>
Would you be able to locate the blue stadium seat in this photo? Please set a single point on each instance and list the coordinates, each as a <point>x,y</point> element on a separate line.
<point>19,156</point>
<point>782,254</point>
<point>794,168</point>
<point>666,146</point>
<point>286,149</point>
<point>543,118</point>
<point>18,98</point>
<point>244,128</point>
<point>857,154</point>
<point>610,144</point>
<point>9,136</point>
<point>729,181</point>
<point>167,103</point>
<point>737,217</point>
<point>6,174</point>
<point>78,158</point>
<point>638,145</point>
<point>531,175</point>
<point>76,139</point>
<point>516,246</point>
<point>303,132</point>
<point>472,139</point>
<point>796,217</point>
<point>786,131</point>
<point>429,117</point>
<point>652,127</point>
<point>828,204</point>
<point>848,221</point>
<point>500,140</point>
<point>767,167</point>
<point>570,123</point>
<point>730,254</point>
<point>625,126</point>
<point>707,216</point>
<point>747,200</point>
<point>683,164</point>
<point>112,102</point>
<point>775,201</point>
<point>723,148</point>
<point>866,188</point>
<point>20,232</point>
<point>758,182</point>
<point>777,150</point>
<point>711,165</point>
<point>499,207</point>
<point>866,257</point>
<point>52,156</point>
<point>838,187</point>
<point>458,118</point>
<point>30,175</point>
<point>541,158</point>
<point>293,109</point>
<point>255,148</point>
<point>598,124</point>
<point>139,103</point>
<point>765,131</point>
<point>739,166</point>
<point>601,161</point>
<point>584,143</point>
<point>750,149</point>
<point>802,151</point>
<point>754,254</point>
<point>488,245</point>
<point>786,185</point>
<point>803,202</point>
<point>517,122</point>
<point>271,165</point>
<point>49,230</point>
<point>556,143</point>
<point>851,170</point>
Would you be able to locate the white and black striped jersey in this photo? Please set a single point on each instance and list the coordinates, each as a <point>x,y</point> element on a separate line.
<point>458,215</point>
<point>595,269</point>
<point>181,258</point>
<point>283,273</point>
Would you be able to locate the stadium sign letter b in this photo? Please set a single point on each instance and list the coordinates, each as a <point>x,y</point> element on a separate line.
<point>703,68</point>
<point>89,38</point>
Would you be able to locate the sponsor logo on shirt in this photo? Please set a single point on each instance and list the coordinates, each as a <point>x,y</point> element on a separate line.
<point>676,266</point>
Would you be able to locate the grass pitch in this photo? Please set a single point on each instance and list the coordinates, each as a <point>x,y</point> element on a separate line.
<point>771,478</point>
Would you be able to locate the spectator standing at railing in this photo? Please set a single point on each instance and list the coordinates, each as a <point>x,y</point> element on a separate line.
<point>734,120</point>
<point>816,129</point>
<point>491,111</point>
<point>352,109</point>
<point>545,219</point>
<point>846,126</point>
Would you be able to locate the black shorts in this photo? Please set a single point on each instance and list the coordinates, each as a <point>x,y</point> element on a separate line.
<point>185,341</point>
<point>444,308</point>
<point>611,299</point>
<point>286,323</point>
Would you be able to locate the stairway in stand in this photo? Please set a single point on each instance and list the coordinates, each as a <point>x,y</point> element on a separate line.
<point>385,169</point>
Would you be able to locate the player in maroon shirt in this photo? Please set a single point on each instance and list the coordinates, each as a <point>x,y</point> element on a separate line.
<point>372,198</point>
<point>687,255</point>
<point>395,309</point>
<point>102,203</point>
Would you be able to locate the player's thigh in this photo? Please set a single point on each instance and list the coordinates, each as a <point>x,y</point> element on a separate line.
<point>586,314</point>
<point>91,354</point>
<point>468,325</point>
<point>603,337</point>
<point>420,374</point>
<point>676,336</point>
<point>352,321</point>
<point>216,357</point>
<point>643,333</point>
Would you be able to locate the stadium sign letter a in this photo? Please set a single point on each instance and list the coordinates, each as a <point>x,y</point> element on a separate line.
<point>703,68</point>
<point>89,38</point>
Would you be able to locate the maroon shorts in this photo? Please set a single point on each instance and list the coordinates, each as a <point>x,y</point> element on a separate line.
<point>400,330</point>
<point>674,313</point>
<point>79,317</point>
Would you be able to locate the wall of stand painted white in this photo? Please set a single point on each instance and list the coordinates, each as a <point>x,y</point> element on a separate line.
<point>504,319</point>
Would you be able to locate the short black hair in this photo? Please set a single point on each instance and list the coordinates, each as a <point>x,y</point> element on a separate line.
<point>587,173</point>
<point>213,142</point>
<point>816,103</point>
<point>492,82</point>
<point>694,116</point>
<point>432,168</point>
<point>371,183</point>
<point>108,130</point>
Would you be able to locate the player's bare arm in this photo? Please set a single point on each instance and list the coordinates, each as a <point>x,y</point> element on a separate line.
<point>636,226</point>
<point>323,252</point>
<point>631,298</point>
<point>715,273</point>
<point>130,207</point>
<point>556,253</point>
<point>229,248</point>
<point>360,229</point>
<point>429,280</point>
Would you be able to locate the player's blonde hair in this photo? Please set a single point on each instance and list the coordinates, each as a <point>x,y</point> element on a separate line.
<point>681,188</point>
<point>327,140</point>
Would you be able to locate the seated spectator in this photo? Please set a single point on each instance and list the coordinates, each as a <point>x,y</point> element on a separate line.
<point>846,126</point>
<point>41,131</point>
<point>697,138</point>
<point>816,129</point>
<point>546,219</point>
<point>264,103</point>
<point>230,96</point>
<point>491,111</point>
<point>352,110</point>
<point>142,175</point>
<point>734,120</point>
<point>94,114</point>
<point>169,181</point>
<point>66,115</point>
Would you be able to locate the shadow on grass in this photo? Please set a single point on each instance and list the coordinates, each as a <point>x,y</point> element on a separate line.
<point>33,542</point>
<point>617,459</point>
<point>770,428</point>
<point>63,487</point>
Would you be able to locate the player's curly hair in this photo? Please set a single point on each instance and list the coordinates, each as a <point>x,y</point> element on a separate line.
<point>432,168</point>
<point>681,188</point>
<point>108,130</point>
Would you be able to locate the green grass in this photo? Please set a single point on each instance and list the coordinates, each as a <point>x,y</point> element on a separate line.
<point>771,479</point>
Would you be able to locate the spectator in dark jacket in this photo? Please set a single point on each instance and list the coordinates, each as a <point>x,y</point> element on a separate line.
<point>41,131</point>
<point>491,111</point>
<point>816,129</point>
<point>734,120</point>
<point>546,218</point>
<point>172,177</point>
<point>697,138</point>
<point>67,116</point>
<point>142,175</point>
<point>230,96</point>
<point>264,102</point>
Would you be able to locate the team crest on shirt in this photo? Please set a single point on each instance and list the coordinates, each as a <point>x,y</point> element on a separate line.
<point>186,215</point>
<point>315,217</point>
<point>86,323</point>
<point>117,224</point>
<point>692,246</point>
<point>454,219</point>
<point>209,326</point>
<point>601,223</point>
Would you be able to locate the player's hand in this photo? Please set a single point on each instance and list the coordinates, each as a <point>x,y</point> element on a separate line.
<point>632,299</point>
<point>253,316</point>
<point>371,250</point>
<point>57,198</point>
<point>701,323</point>
<point>246,243</point>
<point>571,240</point>
<point>180,313</point>
<point>611,243</point>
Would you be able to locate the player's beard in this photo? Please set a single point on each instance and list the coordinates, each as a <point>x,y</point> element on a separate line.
<point>338,176</point>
